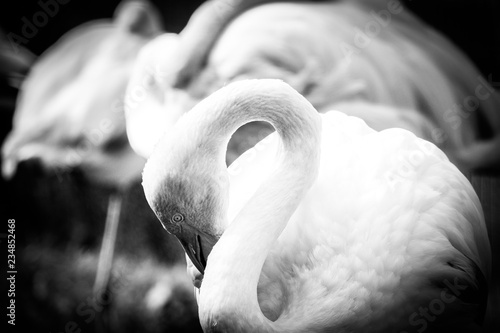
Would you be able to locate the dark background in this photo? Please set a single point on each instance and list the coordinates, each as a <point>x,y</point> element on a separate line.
<point>75,12</point>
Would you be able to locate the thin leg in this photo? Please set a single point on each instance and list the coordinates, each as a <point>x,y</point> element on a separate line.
<point>105,263</point>
<point>108,244</point>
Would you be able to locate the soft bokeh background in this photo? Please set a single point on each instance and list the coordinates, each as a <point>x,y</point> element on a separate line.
<point>59,217</point>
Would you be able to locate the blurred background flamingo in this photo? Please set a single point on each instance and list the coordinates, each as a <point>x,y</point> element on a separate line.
<point>369,58</point>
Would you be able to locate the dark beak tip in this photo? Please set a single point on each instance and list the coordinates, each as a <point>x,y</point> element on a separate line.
<point>200,268</point>
<point>197,245</point>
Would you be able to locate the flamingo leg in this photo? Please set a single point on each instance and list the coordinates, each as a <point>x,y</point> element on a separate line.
<point>108,243</point>
<point>105,263</point>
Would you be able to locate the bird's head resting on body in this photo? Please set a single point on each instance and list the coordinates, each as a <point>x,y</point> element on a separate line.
<point>152,105</point>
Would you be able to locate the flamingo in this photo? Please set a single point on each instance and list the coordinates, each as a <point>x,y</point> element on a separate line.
<point>74,120</point>
<point>69,112</point>
<point>325,226</point>
<point>405,74</point>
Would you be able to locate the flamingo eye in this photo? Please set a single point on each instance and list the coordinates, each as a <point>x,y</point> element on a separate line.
<point>177,218</point>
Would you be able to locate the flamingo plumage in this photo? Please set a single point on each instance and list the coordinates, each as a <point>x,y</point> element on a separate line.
<point>325,226</point>
<point>405,74</point>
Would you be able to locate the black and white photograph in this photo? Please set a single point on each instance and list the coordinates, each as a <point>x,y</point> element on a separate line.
<point>250,166</point>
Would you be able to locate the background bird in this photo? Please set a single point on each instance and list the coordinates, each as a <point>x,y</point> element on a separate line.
<point>71,121</point>
<point>368,58</point>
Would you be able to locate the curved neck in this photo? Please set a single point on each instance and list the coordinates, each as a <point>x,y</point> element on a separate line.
<point>228,297</point>
<point>202,31</point>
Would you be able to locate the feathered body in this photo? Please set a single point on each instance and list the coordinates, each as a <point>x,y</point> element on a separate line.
<point>345,230</point>
<point>376,237</point>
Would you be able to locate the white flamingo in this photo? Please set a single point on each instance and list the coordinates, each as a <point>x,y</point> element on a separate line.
<point>327,226</point>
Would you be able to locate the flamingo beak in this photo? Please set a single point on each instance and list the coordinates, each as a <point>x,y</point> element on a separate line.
<point>197,245</point>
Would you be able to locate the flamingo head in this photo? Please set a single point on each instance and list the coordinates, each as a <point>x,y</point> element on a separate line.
<point>151,105</point>
<point>187,197</point>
